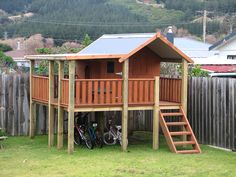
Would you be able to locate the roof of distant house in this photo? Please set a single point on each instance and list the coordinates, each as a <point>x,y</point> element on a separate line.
<point>192,47</point>
<point>223,41</point>
<point>16,54</point>
<point>220,68</point>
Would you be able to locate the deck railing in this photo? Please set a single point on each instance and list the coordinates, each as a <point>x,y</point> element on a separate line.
<point>98,92</point>
<point>64,92</point>
<point>170,90</point>
<point>141,91</point>
<point>108,92</point>
<point>40,91</point>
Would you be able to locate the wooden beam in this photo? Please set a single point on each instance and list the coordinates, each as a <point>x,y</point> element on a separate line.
<point>32,104</point>
<point>50,106</point>
<point>156,112</point>
<point>60,108</point>
<point>125,89</point>
<point>71,107</point>
<point>100,116</point>
<point>184,90</point>
<point>184,87</point>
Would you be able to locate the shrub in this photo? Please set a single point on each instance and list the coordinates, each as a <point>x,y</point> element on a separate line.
<point>2,133</point>
<point>5,48</point>
<point>6,61</point>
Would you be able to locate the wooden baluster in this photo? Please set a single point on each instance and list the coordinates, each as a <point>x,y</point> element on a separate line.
<point>130,91</point>
<point>119,92</point>
<point>84,92</point>
<point>102,92</point>
<point>141,91</point>
<point>151,98</point>
<point>90,90</point>
<point>95,92</point>
<point>108,92</point>
<point>114,92</point>
<point>146,91</point>
<point>78,92</point>
<point>135,92</point>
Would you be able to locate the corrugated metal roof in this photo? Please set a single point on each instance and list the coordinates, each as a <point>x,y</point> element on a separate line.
<point>220,68</point>
<point>223,41</point>
<point>192,48</point>
<point>115,44</point>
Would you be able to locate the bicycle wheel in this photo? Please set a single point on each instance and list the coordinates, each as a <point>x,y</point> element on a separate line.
<point>88,141</point>
<point>109,139</point>
<point>77,139</point>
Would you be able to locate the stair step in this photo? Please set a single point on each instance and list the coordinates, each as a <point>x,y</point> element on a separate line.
<point>193,151</point>
<point>179,143</point>
<point>180,133</point>
<point>175,123</point>
<point>172,114</point>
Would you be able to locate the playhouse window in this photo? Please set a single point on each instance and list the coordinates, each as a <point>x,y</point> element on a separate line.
<point>110,67</point>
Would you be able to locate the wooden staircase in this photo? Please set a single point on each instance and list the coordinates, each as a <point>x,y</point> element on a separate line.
<point>189,146</point>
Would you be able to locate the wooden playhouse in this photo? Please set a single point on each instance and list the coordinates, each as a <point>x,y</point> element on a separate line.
<point>115,73</point>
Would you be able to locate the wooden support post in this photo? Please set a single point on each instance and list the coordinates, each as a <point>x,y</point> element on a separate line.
<point>125,75</point>
<point>101,122</point>
<point>50,106</point>
<point>71,107</point>
<point>32,104</point>
<point>184,89</point>
<point>156,113</point>
<point>60,109</point>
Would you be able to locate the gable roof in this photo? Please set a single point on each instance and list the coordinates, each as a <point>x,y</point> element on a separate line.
<point>223,41</point>
<point>116,44</point>
<point>122,46</point>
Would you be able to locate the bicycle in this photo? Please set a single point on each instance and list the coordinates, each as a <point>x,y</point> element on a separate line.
<point>113,135</point>
<point>95,135</point>
<point>81,135</point>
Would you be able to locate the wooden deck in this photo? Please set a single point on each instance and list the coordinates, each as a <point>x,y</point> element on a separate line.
<point>106,94</point>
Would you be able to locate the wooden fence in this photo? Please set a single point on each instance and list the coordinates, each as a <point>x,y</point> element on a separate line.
<point>211,112</point>
<point>14,106</point>
<point>211,109</point>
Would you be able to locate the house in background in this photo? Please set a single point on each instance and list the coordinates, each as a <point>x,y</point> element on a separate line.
<point>222,62</point>
<point>218,59</point>
<point>18,55</point>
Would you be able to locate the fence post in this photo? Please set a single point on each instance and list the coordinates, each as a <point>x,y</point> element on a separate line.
<point>125,75</point>
<point>71,107</point>
<point>50,106</point>
<point>184,89</point>
<point>32,104</point>
<point>60,109</point>
<point>156,110</point>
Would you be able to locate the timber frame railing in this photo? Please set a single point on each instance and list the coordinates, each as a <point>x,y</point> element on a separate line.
<point>170,89</point>
<point>108,92</point>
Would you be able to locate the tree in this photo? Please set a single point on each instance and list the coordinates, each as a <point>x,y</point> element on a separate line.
<point>5,48</point>
<point>196,71</point>
<point>6,61</point>
<point>87,40</point>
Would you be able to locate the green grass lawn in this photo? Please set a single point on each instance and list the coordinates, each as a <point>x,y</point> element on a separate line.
<point>25,157</point>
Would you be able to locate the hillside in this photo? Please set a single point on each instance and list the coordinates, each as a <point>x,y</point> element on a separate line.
<point>62,20</point>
